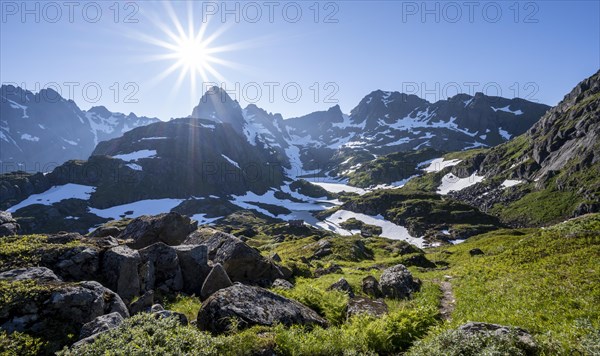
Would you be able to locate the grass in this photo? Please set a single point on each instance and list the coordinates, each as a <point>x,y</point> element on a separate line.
<point>540,280</point>
<point>27,250</point>
<point>185,304</point>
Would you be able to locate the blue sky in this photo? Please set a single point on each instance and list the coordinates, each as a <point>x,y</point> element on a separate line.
<point>536,50</point>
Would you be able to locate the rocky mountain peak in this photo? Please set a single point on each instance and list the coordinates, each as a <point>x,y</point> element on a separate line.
<point>216,105</point>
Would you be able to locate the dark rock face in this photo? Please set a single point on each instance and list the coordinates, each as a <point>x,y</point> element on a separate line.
<point>8,225</point>
<point>397,282</point>
<point>371,287</point>
<point>360,305</point>
<point>216,280</point>
<point>160,268</point>
<point>171,229</point>
<point>342,285</point>
<point>242,262</point>
<point>121,271</point>
<point>525,339</point>
<point>252,306</point>
<point>193,261</point>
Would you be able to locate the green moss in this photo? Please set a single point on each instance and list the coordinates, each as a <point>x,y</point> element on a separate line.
<point>27,250</point>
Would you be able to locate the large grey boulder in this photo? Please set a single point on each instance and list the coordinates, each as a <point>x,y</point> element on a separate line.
<point>101,324</point>
<point>217,279</point>
<point>193,261</point>
<point>160,268</point>
<point>249,306</point>
<point>120,270</point>
<point>524,338</point>
<point>41,274</point>
<point>242,262</point>
<point>397,282</point>
<point>8,225</point>
<point>360,305</point>
<point>63,305</point>
<point>171,229</point>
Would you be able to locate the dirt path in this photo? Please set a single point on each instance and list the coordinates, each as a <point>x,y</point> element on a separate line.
<point>447,303</point>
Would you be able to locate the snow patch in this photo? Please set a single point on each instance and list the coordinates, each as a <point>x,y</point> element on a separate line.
<point>508,110</point>
<point>451,183</point>
<point>134,166</point>
<point>28,137</point>
<point>437,164</point>
<point>134,156</point>
<point>231,161</point>
<point>510,183</point>
<point>139,208</point>
<point>55,194</point>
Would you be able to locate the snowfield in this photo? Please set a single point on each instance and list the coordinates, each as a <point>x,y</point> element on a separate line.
<point>390,230</point>
<point>56,194</point>
<point>139,208</point>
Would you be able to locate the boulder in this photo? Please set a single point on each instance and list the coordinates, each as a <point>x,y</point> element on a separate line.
<point>476,252</point>
<point>525,339</point>
<point>242,262</point>
<point>76,263</point>
<point>342,285</point>
<point>398,282</point>
<point>160,268</point>
<point>101,324</point>
<point>371,287</point>
<point>321,249</point>
<point>41,274</point>
<point>193,261</point>
<point>360,305</point>
<point>418,261</point>
<point>105,231</point>
<point>120,270</point>
<point>217,279</point>
<point>171,229</point>
<point>248,306</point>
<point>8,225</point>
<point>332,268</point>
<point>282,284</point>
<point>62,305</point>
<point>169,313</point>
<point>143,303</point>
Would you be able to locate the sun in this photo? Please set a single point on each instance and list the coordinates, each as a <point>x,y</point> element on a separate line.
<point>191,53</point>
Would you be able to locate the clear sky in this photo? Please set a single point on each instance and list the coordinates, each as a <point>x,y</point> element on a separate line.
<point>266,52</point>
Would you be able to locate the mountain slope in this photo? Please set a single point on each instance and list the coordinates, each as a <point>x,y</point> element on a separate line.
<point>554,167</point>
<point>41,131</point>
